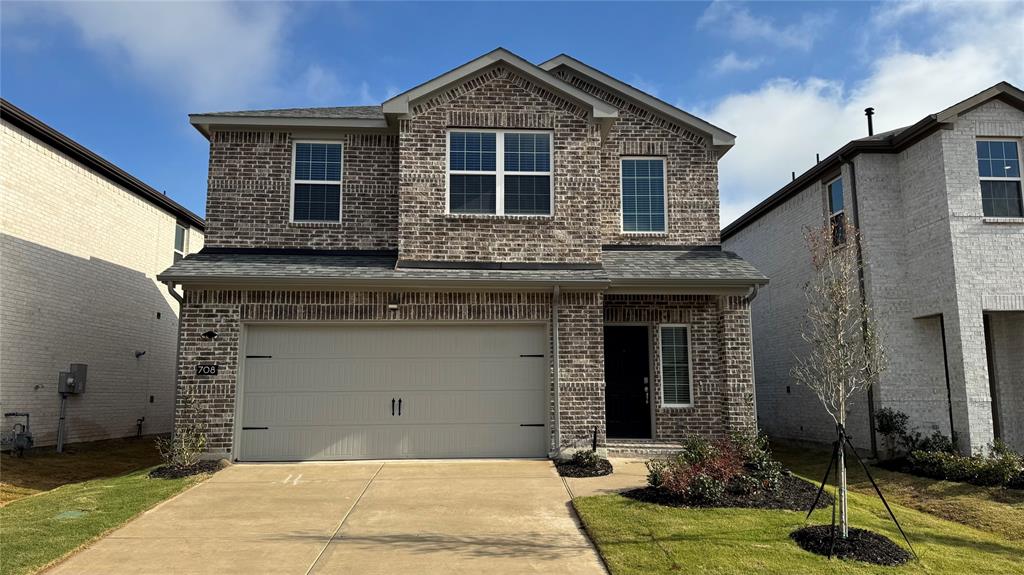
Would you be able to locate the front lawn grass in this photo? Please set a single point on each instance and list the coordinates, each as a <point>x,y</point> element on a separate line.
<point>643,538</point>
<point>993,509</point>
<point>39,530</point>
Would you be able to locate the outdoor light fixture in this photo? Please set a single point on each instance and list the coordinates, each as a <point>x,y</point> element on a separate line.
<point>393,303</point>
<point>211,335</point>
<point>139,354</point>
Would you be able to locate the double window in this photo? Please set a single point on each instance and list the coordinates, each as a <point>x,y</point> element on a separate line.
<point>180,241</point>
<point>676,376</point>
<point>836,214</point>
<point>316,182</point>
<point>499,172</point>
<point>643,194</point>
<point>999,171</point>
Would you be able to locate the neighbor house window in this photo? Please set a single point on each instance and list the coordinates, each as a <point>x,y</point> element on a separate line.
<point>836,216</point>
<point>500,173</point>
<point>643,194</point>
<point>999,170</point>
<point>316,182</point>
<point>676,384</point>
<point>180,241</point>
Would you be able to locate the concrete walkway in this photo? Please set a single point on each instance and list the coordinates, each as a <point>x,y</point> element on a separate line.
<point>356,518</point>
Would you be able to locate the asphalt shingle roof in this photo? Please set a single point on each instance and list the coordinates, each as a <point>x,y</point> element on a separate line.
<point>703,267</point>
<point>336,113</point>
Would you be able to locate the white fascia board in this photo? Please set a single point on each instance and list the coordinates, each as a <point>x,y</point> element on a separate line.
<point>720,139</point>
<point>203,123</point>
<point>400,103</point>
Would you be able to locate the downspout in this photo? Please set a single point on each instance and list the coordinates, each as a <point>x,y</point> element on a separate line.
<point>863,296</point>
<point>556,298</point>
<point>945,365</point>
<point>177,354</point>
<point>753,375</point>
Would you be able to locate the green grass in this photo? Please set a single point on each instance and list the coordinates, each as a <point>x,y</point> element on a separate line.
<point>992,509</point>
<point>39,530</point>
<point>642,538</point>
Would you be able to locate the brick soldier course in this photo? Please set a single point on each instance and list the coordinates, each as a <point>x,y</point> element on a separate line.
<point>397,256</point>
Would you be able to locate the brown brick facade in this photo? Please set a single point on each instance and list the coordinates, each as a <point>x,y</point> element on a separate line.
<point>720,359</point>
<point>248,205</point>
<point>720,326</point>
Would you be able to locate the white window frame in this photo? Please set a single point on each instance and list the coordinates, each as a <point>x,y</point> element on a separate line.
<point>689,363</point>
<point>498,172</point>
<point>664,195</point>
<point>995,179</point>
<point>341,176</point>
<point>828,204</point>
<point>184,243</point>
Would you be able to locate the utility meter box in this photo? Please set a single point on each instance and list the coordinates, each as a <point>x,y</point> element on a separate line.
<point>73,381</point>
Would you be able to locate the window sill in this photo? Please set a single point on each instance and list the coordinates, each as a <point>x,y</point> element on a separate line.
<point>643,234</point>
<point>677,406</point>
<point>314,224</point>
<point>995,220</point>
<point>503,217</point>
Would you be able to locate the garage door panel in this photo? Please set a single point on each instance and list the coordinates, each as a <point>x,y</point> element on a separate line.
<point>398,373</point>
<point>325,391</point>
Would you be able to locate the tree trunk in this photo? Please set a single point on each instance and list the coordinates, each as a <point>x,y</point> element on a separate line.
<point>844,526</point>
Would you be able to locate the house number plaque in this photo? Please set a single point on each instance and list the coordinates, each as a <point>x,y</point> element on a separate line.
<point>206,369</point>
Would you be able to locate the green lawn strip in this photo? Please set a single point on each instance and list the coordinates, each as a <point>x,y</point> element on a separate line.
<point>642,538</point>
<point>40,530</point>
<point>993,509</point>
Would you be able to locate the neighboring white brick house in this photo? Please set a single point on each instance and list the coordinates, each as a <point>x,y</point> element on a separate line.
<point>935,261</point>
<point>81,242</point>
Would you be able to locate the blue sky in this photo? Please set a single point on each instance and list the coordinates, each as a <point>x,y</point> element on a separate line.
<point>789,79</point>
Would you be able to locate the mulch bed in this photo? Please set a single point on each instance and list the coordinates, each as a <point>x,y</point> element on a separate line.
<point>568,469</point>
<point>793,494</point>
<point>861,545</point>
<point>168,472</point>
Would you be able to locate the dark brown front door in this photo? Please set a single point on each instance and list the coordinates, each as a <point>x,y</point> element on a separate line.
<point>627,381</point>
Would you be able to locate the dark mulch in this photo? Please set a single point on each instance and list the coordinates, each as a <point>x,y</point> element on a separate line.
<point>169,472</point>
<point>568,469</point>
<point>861,545</point>
<point>794,494</point>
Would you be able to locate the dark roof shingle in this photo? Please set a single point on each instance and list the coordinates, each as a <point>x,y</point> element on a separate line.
<point>335,113</point>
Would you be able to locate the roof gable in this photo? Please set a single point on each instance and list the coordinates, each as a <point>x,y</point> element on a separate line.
<point>718,137</point>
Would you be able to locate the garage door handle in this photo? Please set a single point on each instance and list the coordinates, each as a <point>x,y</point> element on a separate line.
<point>399,406</point>
<point>392,407</point>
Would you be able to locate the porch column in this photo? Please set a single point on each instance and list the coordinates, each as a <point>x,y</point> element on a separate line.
<point>736,364</point>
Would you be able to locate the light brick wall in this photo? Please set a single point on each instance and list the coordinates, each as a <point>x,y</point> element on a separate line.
<point>78,261</point>
<point>1008,343</point>
<point>774,244</point>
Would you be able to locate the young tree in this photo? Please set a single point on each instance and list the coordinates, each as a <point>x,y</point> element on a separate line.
<point>845,355</point>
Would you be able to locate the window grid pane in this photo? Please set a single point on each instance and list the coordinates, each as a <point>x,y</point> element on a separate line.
<point>835,196</point>
<point>528,195</point>
<point>321,162</point>
<point>179,238</point>
<point>1001,199</point>
<point>473,151</point>
<point>675,366</point>
<point>643,195</point>
<point>317,202</point>
<point>527,152</point>
<point>472,194</point>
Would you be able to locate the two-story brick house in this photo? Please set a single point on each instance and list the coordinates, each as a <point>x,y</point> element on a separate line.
<point>501,262</point>
<point>941,219</point>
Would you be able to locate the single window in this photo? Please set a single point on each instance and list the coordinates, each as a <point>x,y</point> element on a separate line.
<point>316,192</point>
<point>499,172</point>
<point>180,241</point>
<point>676,384</point>
<point>837,217</point>
<point>999,170</point>
<point>643,194</point>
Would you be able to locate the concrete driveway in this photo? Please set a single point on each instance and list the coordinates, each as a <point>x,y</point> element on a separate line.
<point>356,518</point>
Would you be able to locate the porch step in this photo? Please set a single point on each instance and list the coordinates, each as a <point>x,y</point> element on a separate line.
<point>641,447</point>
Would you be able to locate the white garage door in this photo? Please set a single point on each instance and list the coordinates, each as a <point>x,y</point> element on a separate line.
<point>315,392</point>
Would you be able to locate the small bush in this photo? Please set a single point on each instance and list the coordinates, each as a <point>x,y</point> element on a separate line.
<point>1000,466</point>
<point>656,471</point>
<point>186,445</point>
<point>585,458</point>
<point>761,470</point>
<point>892,424</point>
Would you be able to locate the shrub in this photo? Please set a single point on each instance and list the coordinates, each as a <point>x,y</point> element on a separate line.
<point>656,471</point>
<point>1000,466</point>
<point>761,470</point>
<point>186,445</point>
<point>892,425</point>
<point>703,471</point>
<point>936,442</point>
<point>585,458</point>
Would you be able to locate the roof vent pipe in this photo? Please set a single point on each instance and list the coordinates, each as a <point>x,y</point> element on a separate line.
<point>871,126</point>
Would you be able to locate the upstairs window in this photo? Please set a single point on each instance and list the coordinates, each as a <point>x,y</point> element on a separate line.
<point>999,170</point>
<point>180,241</point>
<point>499,173</point>
<point>836,214</point>
<point>676,376</point>
<point>316,182</point>
<point>643,194</point>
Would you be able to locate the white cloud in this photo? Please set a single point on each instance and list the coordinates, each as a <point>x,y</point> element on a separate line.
<point>742,25</point>
<point>785,122</point>
<point>730,62</point>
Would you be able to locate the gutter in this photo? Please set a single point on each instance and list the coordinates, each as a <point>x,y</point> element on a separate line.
<point>177,356</point>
